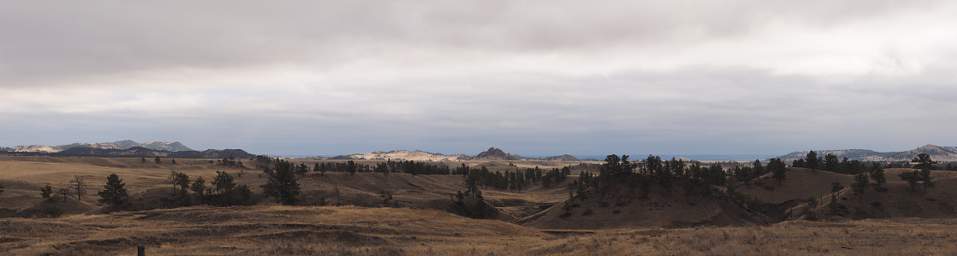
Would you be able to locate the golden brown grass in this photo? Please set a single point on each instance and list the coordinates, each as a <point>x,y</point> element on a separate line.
<point>310,230</point>
<point>281,230</point>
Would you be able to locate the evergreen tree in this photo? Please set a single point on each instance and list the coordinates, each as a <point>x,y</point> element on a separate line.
<point>199,188</point>
<point>831,163</point>
<point>758,168</point>
<point>283,184</point>
<point>226,192</point>
<point>180,182</point>
<point>114,192</point>
<point>877,174</point>
<point>811,161</point>
<point>778,169</point>
<point>860,183</point>
<point>223,183</point>
<point>923,167</point>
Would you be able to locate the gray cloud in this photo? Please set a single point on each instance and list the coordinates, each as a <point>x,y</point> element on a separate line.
<point>531,76</point>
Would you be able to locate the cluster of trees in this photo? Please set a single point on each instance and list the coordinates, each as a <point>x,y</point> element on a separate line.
<point>221,191</point>
<point>74,188</point>
<point>692,176</point>
<point>746,174</point>
<point>157,160</point>
<point>866,172</point>
<point>515,180</point>
<point>831,163</point>
<point>413,167</point>
<point>920,177</point>
<point>231,162</point>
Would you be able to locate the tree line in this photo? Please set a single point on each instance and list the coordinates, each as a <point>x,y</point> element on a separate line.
<point>692,176</point>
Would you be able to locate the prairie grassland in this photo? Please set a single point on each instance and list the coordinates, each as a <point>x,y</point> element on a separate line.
<point>420,227</point>
<point>286,230</point>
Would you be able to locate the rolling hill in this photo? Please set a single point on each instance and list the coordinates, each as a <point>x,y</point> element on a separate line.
<point>939,153</point>
<point>120,145</point>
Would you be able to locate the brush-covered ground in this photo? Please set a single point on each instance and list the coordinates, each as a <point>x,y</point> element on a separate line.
<point>534,221</point>
<point>310,230</point>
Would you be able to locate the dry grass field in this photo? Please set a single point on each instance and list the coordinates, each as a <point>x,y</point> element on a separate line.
<point>304,230</point>
<point>419,226</point>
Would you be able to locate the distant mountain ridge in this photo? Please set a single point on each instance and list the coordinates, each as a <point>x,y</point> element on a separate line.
<point>492,153</point>
<point>127,148</point>
<point>121,145</point>
<point>938,153</point>
<point>146,152</point>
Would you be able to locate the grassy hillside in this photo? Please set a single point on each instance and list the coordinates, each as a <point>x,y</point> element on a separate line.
<point>283,230</point>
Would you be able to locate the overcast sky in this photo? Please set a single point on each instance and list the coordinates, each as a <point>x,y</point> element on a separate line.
<point>532,77</point>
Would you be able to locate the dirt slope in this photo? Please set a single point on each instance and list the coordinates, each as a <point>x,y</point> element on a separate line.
<point>274,230</point>
<point>660,209</point>
<point>260,230</point>
<point>800,184</point>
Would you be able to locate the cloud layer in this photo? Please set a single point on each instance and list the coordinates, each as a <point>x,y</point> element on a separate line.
<point>327,77</point>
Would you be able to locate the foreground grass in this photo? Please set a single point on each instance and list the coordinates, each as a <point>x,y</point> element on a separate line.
<point>280,230</point>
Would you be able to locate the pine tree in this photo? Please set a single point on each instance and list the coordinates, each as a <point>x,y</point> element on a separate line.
<point>758,168</point>
<point>199,187</point>
<point>223,183</point>
<point>283,184</point>
<point>877,174</point>
<point>831,163</point>
<point>778,169</point>
<point>179,181</point>
<point>923,167</point>
<point>114,192</point>
<point>860,184</point>
<point>226,192</point>
<point>811,161</point>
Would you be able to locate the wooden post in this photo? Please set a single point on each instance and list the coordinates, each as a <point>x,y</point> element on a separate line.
<point>140,250</point>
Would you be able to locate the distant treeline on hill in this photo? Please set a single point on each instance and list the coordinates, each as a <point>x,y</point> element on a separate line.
<point>515,179</point>
<point>832,163</point>
<point>619,176</point>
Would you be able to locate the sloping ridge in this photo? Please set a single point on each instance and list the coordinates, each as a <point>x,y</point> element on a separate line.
<point>897,201</point>
<point>936,152</point>
<point>659,209</point>
<point>145,152</point>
